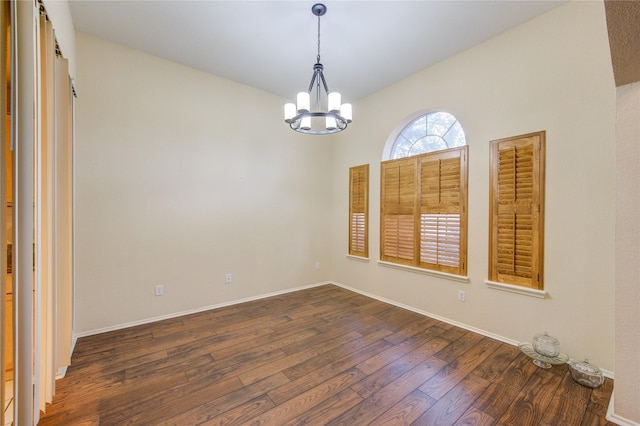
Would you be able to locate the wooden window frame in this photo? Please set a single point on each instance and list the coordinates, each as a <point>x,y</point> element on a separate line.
<point>359,211</point>
<point>411,194</point>
<point>527,248</point>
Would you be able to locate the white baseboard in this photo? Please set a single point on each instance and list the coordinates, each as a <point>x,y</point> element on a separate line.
<point>503,339</point>
<point>429,314</point>
<point>614,418</point>
<point>76,336</point>
<point>291,290</point>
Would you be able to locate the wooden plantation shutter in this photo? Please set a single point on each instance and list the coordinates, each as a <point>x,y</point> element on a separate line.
<point>423,218</point>
<point>359,210</point>
<point>443,211</point>
<point>517,210</point>
<point>398,203</point>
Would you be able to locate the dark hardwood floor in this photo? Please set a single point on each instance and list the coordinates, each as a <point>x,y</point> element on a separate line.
<point>319,356</point>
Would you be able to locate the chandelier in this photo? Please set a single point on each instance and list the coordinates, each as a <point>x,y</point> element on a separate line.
<point>301,117</point>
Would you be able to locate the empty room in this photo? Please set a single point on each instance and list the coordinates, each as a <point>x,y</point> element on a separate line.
<point>345,213</point>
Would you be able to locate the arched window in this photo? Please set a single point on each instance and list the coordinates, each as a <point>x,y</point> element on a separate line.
<point>429,132</point>
<point>423,195</point>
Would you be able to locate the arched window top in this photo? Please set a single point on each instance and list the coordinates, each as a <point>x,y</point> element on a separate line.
<point>429,132</point>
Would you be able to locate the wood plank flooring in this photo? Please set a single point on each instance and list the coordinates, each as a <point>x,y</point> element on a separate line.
<point>320,356</point>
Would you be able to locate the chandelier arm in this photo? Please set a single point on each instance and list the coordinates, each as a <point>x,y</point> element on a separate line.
<point>324,82</point>
<point>313,80</point>
<point>318,99</point>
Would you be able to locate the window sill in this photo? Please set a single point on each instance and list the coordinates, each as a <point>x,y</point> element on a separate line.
<point>541,294</point>
<point>358,258</point>
<point>438,274</point>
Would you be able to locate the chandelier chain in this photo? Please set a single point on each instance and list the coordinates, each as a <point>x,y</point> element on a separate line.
<point>318,59</point>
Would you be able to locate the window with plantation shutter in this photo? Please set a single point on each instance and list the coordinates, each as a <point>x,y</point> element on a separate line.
<point>423,211</point>
<point>517,210</point>
<point>359,210</point>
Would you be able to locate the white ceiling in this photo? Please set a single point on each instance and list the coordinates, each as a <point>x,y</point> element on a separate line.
<point>272,45</point>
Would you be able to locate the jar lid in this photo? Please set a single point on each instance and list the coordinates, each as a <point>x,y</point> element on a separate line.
<point>546,339</point>
<point>585,367</point>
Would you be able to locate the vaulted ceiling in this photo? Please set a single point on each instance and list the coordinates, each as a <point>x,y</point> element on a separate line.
<point>272,45</point>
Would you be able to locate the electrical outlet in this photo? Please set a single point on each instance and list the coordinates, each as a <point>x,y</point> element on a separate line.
<point>227,279</point>
<point>317,265</point>
<point>461,295</point>
<point>159,290</point>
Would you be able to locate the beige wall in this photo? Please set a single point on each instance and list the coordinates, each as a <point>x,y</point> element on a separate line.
<point>552,73</point>
<point>182,177</point>
<point>627,313</point>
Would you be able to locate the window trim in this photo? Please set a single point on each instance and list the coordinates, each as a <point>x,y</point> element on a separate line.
<point>358,258</point>
<point>517,289</point>
<point>424,271</point>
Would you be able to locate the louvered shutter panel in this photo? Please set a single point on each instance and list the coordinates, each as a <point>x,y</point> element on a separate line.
<point>398,202</point>
<point>359,210</point>
<point>443,210</point>
<point>424,219</point>
<point>517,188</point>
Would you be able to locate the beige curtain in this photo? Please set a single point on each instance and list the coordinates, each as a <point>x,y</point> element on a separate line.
<point>4,78</point>
<point>25,116</point>
<point>63,215</point>
<point>45,371</point>
<point>54,219</point>
<point>42,201</point>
